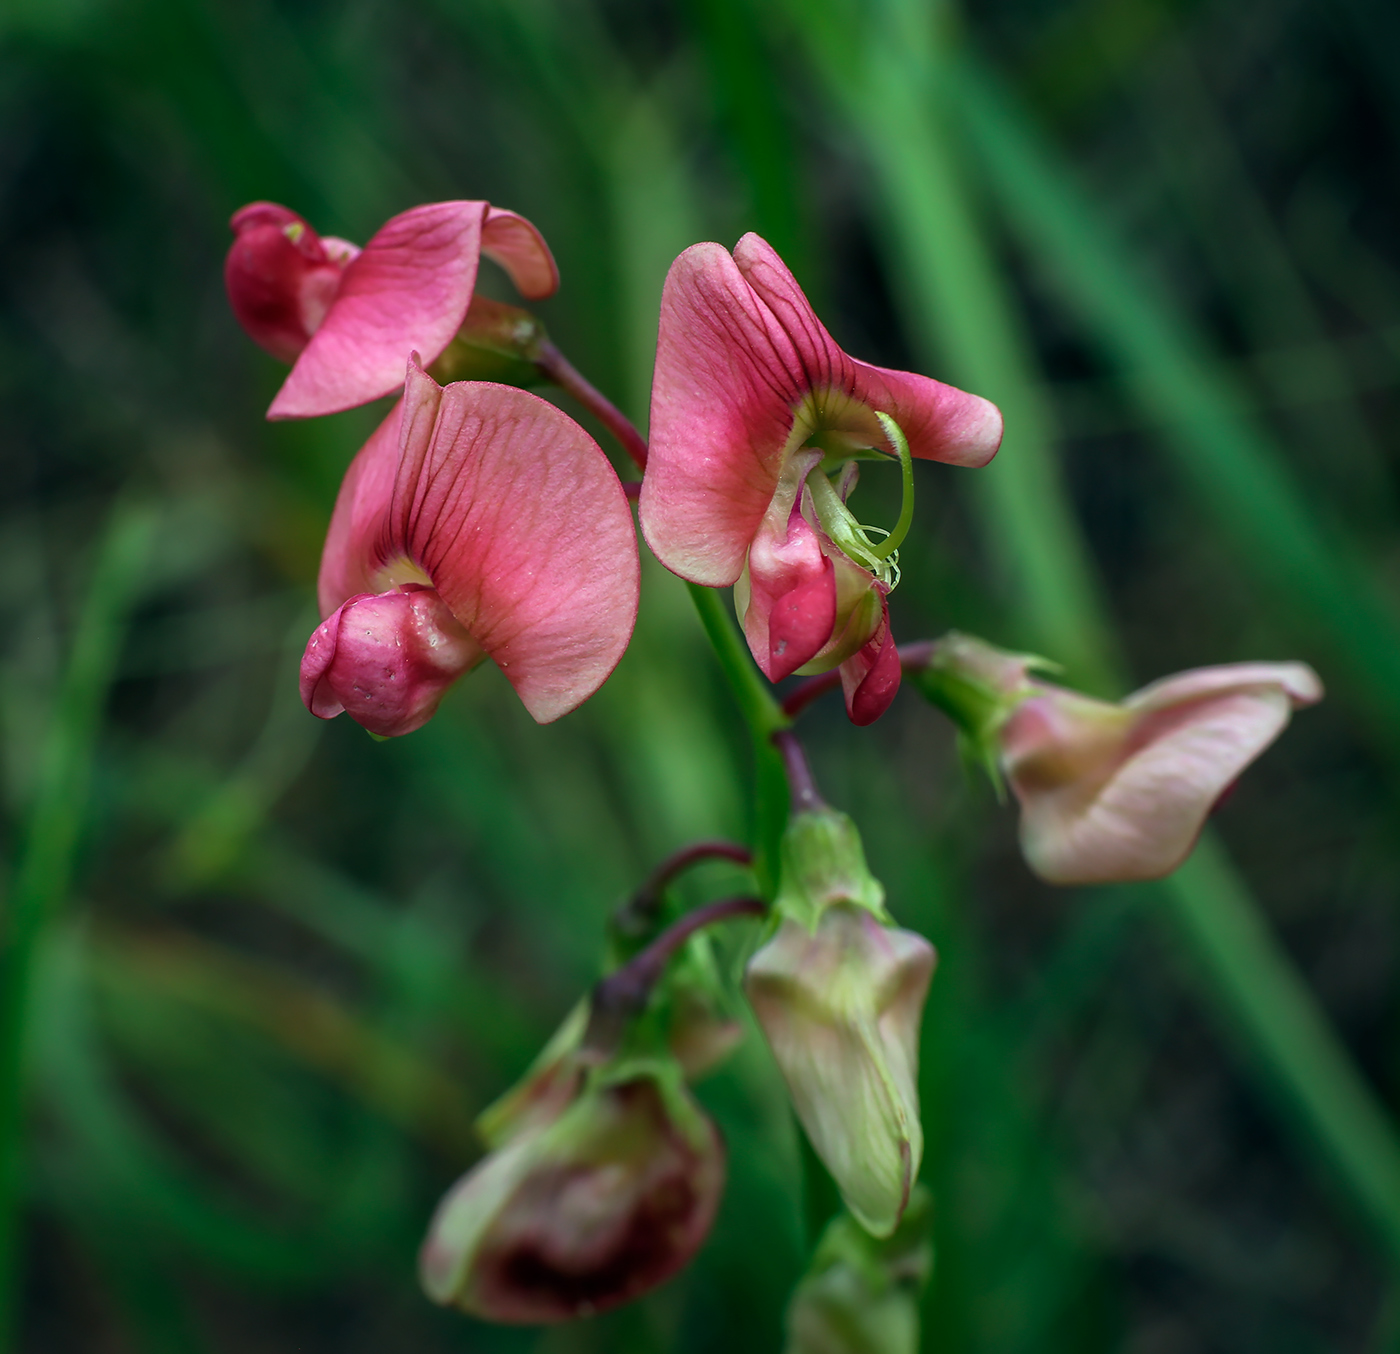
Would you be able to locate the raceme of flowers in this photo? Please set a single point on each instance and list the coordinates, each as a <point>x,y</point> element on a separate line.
<point>481,521</point>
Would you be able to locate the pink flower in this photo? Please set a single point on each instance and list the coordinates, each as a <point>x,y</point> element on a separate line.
<point>347,317</point>
<point>1121,792</point>
<point>477,521</point>
<point>753,404</point>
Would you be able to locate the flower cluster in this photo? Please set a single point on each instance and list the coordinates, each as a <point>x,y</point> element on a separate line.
<point>481,521</point>
<point>478,521</point>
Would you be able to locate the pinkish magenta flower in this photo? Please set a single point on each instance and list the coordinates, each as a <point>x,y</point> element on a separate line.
<point>753,404</point>
<point>478,521</point>
<point>347,317</point>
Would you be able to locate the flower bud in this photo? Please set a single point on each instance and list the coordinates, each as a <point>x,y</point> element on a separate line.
<point>1120,792</point>
<point>841,1008</point>
<point>860,1295</point>
<point>839,993</point>
<point>1112,792</point>
<point>699,1033</point>
<point>496,342</point>
<point>282,277</point>
<point>585,1213</point>
<point>387,660</point>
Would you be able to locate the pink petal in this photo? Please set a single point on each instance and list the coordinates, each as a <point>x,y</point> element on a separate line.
<point>870,677</point>
<point>519,520</point>
<point>800,622</point>
<point>941,422</point>
<point>726,384</point>
<point>1298,681</point>
<point>386,660</point>
<point>791,609</point>
<point>280,285</point>
<point>745,375</point>
<point>408,290</point>
<point>1124,791</point>
<point>519,248</point>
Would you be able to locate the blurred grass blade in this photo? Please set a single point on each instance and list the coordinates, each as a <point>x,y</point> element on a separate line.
<point>138,1171</point>
<point>964,299</point>
<point>751,108</point>
<point>1021,497</point>
<point>1225,454</point>
<point>45,865</point>
<point>1255,984</point>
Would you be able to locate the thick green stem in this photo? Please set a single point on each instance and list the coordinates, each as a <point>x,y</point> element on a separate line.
<point>765,717</point>
<point>960,305</point>
<point>45,866</point>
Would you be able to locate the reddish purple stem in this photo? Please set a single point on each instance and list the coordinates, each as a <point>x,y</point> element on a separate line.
<point>801,783</point>
<point>638,915</point>
<point>569,379</point>
<point>625,992</point>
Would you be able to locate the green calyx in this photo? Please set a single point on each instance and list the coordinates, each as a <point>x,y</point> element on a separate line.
<point>496,342</point>
<point>978,686</point>
<point>823,864</point>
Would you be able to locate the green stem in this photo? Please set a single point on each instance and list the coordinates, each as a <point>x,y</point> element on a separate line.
<point>45,869</point>
<point>765,717</point>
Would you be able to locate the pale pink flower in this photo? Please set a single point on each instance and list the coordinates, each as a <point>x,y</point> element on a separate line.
<point>348,317</point>
<point>478,521</point>
<point>1115,792</point>
<point>753,403</point>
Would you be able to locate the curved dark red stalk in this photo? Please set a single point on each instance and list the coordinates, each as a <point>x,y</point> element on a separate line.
<point>624,993</point>
<point>636,917</point>
<point>568,378</point>
<point>912,657</point>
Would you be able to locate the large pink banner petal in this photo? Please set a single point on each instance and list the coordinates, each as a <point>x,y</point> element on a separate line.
<point>408,290</point>
<point>941,422</point>
<point>722,402</point>
<point>520,522</point>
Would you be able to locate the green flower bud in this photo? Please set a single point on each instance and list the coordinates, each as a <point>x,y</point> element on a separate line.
<point>839,992</point>
<point>861,1295</point>
<point>585,1213</point>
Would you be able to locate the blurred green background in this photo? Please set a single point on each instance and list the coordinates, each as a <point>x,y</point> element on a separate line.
<point>284,965</point>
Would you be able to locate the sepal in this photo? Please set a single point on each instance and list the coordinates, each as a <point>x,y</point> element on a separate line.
<point>496,342</point>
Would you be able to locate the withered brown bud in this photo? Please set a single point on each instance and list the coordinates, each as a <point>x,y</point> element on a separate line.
<point>585,1213</point>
